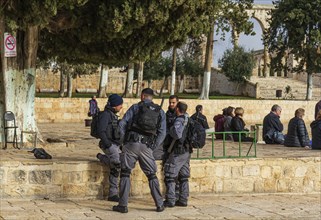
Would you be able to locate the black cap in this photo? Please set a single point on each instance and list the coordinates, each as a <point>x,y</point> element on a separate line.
<point>148,91</point>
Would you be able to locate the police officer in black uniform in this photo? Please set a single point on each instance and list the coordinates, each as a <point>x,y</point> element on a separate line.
<point>160,152</point>
<point>142,128</point>
<point>177,166</point>
<point>108,133</point>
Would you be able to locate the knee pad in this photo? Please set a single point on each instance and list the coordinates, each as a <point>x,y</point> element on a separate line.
<point>169,180</point>
<point>114,172</point>
<point>151,176</point>
<point>182,179</point>
<point>125,173</point>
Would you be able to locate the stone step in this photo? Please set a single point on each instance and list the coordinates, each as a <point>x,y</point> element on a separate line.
<point>71,176</point>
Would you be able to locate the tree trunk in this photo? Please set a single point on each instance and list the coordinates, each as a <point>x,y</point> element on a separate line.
<point>208,65</point>
<point>103,81</point>
<point>162,88</point>
<point>129,81</point>
<point>181,84</point>
<point>18,78</point>
<point>173,71</point>
<point>309,86</point>
<point>235,37</point>
<point>69,85</point>
<point>62,83</point>
<point>139,78</point>
<point>150,82</point>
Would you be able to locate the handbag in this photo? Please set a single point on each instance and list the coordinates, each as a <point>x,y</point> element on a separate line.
<point>278,137</point>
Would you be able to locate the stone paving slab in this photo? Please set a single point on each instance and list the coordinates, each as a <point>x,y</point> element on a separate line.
<point>201,206</point>
<point>78,145</point>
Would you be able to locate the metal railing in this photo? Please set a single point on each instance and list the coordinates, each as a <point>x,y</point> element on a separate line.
<point>228,146</point>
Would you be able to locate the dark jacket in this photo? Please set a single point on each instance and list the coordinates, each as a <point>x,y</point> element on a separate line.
<point>271,123</point>
<point>317,109</point>
<point>108,127</point>
<point>170,118</point>
<point>297,134</point>
<point>316,134</point>
<point>219,125</point>
<point>237,124</point>
<point>201,119</point>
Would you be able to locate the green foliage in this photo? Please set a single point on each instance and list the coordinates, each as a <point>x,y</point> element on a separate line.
<point>295,28</point>
<point>69,69</point>
<point>157,69</point>
<point>237,64</point>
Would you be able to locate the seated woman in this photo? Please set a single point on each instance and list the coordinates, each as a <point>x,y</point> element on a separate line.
<point>219,124</point>
<point>316,132</point>
<point>228,122</point>
<point>237,124</point>
<point>198,116</point>
<point>297,135</point>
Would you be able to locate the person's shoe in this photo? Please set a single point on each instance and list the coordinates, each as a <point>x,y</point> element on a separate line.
<point>119,208</point>
<point>168,204</point>
<point>114,198</point>
<point>160,208</point>
<point>179,203</point>
<point>308,148</point>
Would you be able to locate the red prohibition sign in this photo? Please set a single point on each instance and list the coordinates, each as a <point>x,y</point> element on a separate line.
<point>10,42</point>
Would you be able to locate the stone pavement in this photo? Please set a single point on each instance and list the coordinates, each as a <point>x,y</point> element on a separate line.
<point>245,206</point>
<point>77,145</point>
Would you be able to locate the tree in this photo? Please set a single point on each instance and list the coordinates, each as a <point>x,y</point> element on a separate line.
<point>237,64</point>
<point>226,13</point>
<point>295,28</point>
<point>103,81</point>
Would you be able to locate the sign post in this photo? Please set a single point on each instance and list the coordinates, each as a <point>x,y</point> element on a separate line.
<point>10,49</point>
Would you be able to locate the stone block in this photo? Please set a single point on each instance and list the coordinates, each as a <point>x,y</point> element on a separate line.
<point>288,172</point>
<point>17,176</point>
<point>276,172</point>
<point>223,171</point>
<point>300,171</point>
<point>218,186</point>
<point>74,190</point>
<point>54,191</point>
<point>251,170</point>
<point>38,191</point>
<point>94,189</point>
<point>73,177</point>
<point>283,185</point>
<point>56,177</point>
<point>308,185</point>
<point>92,175</point>
<point>40,177</point>
<point>259,186</point>
<point>270,185</point>
<point>236,172</point>
<point>296,185</point>
<point>198,171</point>
<point>266,172</point>
<point>238,186</point>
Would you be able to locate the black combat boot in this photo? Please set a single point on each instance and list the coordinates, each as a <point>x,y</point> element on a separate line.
<point>121,209</point>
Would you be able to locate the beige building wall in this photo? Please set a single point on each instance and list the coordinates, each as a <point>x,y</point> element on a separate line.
<point>75,109</point>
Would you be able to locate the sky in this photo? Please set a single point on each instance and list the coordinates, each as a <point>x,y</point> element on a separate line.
<point>248,42</point>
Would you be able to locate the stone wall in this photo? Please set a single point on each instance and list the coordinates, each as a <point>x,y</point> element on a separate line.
<point>49,81</point>
<point>221,84</point>
<point>303,77</point>
<point>75,109</point>
<point>81,179</point>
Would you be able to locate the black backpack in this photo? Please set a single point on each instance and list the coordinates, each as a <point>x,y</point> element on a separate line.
<point>146,120</point>
<point>196,134</point>
<point>94,125</point>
